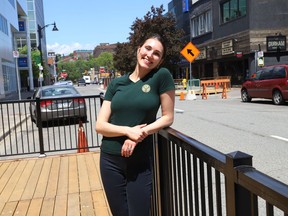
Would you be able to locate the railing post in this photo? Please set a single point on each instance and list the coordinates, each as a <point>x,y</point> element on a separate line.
<point>165,176</point>
<point>101,98</point>
<point>40,128</point>
<point>238,199</point>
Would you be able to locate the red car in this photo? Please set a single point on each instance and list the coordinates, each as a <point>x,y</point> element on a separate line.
<point>269,82</point>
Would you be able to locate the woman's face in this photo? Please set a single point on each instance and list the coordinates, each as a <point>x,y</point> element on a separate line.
<point>150,54</point>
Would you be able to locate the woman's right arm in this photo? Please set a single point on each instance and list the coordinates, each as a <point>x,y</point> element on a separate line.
<point>110,130</point>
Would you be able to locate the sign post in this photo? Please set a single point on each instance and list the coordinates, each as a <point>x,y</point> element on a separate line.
<point>16,56</point>
<point>40,79</point>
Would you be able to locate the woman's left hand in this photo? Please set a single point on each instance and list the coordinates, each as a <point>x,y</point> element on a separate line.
<point>128,148</point>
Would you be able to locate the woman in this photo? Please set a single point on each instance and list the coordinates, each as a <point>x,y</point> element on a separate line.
<point>127,120</point>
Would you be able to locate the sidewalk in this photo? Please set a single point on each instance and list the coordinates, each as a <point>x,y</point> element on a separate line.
<point>15,96</point>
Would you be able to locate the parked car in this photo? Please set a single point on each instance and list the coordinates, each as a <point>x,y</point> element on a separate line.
<point>63,82</point>
<point>58,102</point>
<point>81,82</point>
<point>87,79</point>
<point>269,82</point>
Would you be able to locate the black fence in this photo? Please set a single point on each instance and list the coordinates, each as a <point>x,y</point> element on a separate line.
<point>194,179</point>
<point>20,134</point>
<point>190,177</point>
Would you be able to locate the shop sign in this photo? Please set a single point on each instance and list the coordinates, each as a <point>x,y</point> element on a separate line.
<point>185,6</point>
<point>21,26</point>
<point>239,54</point>
<point>22,62</point>
<point>227,47</point>
<point>202,54</point>
<point>275,43</point>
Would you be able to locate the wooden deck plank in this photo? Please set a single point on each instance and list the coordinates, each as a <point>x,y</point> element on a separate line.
<point>83,174</point>
<point>32,182</point>
<point>19,189</point>
<point>63,177</point>
<point>55,185</point>
<point>60,208</point>
<point>7,174</point>
<point>93,175</point>
<point>73,205</point>
<point>9,208</point>
<point>22,208</point>
<point>7,191</point>
<point>87,208</point>
<point>100,203</point>
<point>47,207</point>
<point>43,179</point>
<point>3,168</point>
<point>53,178</point>
<point>35,207</point>
<point>73,175</point>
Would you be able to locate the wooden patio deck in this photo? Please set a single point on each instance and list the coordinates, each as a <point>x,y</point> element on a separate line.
<point>54,185</point>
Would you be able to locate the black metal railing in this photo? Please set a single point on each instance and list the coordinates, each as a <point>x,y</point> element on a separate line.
<point>194,179</point>
<point>190,177</point>
<point>21,135</point>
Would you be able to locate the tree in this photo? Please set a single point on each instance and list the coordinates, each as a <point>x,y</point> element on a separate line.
<point>153,22</point>
<point>35,58</point>
<point>105,59</point>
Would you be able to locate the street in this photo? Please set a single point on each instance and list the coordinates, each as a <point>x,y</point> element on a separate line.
<point>258,128</point>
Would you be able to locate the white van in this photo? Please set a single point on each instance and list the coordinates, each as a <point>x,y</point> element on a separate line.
<point>87,79</point>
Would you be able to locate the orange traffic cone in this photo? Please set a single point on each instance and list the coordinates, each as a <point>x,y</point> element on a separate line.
<point>82,141</point>
<point>182,96</point>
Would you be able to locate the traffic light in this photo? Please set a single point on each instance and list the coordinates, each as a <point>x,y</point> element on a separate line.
<point>261,61</point>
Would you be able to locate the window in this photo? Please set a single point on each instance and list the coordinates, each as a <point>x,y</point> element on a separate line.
<point>3,25</point>
<point>201,24</point>
<point>266,74</point>
<point>232,9</point>
<point>279,72</point>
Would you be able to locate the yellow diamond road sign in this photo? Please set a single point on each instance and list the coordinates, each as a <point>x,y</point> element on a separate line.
<point>190,52</point>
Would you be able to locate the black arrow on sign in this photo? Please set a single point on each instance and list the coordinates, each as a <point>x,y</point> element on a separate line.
<point>189,51</point>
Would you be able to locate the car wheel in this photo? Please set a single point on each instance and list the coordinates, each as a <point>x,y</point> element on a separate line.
<point>244,96</point>
<point>277,97</point>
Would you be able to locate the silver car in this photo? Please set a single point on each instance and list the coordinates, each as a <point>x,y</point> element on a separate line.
<point>58,102</point>
<point>63,82</point>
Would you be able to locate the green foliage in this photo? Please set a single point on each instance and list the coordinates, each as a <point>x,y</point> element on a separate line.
<point>153,22</point>
<point>105,59</point>
<point>35,57</point>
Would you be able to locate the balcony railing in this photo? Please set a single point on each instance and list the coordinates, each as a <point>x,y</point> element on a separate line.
<point>190,177</point>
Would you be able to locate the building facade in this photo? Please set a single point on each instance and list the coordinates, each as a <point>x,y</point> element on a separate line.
<point>19,23</point>
<point>233,34</point>
<point>13,14</point>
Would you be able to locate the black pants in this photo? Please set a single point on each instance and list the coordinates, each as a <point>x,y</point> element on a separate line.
<point>127,183</point>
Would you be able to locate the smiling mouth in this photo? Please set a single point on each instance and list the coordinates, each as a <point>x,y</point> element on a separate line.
<point>147,61</point>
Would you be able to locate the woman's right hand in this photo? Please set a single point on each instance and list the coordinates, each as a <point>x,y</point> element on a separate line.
<point>137,133</point>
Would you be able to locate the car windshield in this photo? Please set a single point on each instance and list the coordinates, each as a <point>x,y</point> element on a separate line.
<point>58,92</point>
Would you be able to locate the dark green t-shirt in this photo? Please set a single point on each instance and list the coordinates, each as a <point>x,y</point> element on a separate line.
<point>135,103</point>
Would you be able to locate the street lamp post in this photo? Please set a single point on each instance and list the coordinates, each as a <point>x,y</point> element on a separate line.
<point>39,29</point>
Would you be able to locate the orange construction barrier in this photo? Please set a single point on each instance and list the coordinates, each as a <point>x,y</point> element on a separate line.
<point>224,92</point>
<point>82,141</point>
<point>204,93</point>
<point>182,96</point>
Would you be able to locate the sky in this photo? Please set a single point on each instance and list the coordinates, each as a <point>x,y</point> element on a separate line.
<point>84,24</point>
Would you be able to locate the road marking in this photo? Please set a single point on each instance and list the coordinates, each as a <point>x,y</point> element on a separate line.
<point>178,110</point>
<point>280,138</point>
